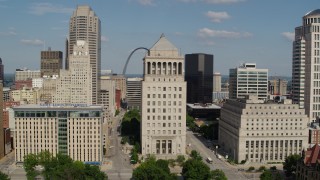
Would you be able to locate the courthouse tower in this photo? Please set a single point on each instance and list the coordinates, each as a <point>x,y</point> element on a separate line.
<point>163,124</point>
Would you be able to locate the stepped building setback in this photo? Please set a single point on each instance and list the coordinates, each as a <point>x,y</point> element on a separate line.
<point>85,25</point>
<point>163,124</point>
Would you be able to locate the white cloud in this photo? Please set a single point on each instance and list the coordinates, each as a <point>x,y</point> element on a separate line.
<point>146,2</point>
<point>217,16</point>
<point>44,8</point>
<point>288,35</point>
<point>33,42</point>
<point>9,33</point>
<point>104,39</point>
<point>223,1</point>
<point>207,33</point>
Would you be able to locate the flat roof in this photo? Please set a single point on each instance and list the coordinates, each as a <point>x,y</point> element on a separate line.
<point>203,106</point>
<point>57,107</point>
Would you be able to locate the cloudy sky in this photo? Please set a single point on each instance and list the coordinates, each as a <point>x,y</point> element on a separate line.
<point>235,31</point>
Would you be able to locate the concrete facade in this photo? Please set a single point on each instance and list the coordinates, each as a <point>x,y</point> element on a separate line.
<point>51,62</point>
<point>26,74</point>
<point>70,130</point>
<point>108,94</point>
<point>216,82</point>
<point>134,90</point>
<point>278,87</point>
<point>85,25</point>
<point>306,65</point>
<point>121,84</point>
<point>258,131</point>
<point>247,79</point>
<point>75,85</point>
<point>163,124</point>
<point>26,95</point>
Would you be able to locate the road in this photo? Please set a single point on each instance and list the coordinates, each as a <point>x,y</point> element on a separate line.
<point>230,171</point>
<point>121,167</point>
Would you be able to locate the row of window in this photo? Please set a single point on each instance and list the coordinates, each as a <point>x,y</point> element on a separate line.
<point>275,134</point>
<point>165,96</point>
<point>164,118</point>
<point>170,132</point>
<point>163,124</point>
<point>164,110</point>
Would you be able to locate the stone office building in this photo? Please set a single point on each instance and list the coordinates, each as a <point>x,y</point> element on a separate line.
<point>257,131</point>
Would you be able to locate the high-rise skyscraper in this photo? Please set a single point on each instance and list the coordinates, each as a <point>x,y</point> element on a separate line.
<point>85,25</point>
<point>51,63</point>
<point>216,82</point>
<point>247,79</point>
<point>199,77</point>
<point>1,71</point>
<point>75,85</point>
<point>163,124</point>
<point>306,64</point>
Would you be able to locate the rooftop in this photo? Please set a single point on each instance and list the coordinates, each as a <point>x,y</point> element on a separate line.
<point>311,155</point>
<point>163,45</point>
<point>313,13</point>
<point>57,107</point>
<point>203,106</point>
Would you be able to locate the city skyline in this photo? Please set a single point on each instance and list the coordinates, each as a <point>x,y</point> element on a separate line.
<point>215,27</point>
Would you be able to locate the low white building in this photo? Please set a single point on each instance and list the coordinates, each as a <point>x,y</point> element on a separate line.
<point>258,131</point>
<point>37,82</point>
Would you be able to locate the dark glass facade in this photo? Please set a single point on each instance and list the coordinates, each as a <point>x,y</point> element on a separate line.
<point>199,77</point>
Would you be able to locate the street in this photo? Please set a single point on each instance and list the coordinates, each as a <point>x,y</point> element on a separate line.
<point>231,172</point>
<point>121,168</point>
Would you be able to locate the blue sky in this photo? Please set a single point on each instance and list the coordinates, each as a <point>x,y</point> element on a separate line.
<point>235,31</point>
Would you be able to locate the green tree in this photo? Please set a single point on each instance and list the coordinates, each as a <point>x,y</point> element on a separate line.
<point>134,156</point>
<point>251,168</point>
<point>151,170</point>
<point>277,176</point>
<point>266,175</point>
<point>262,168</point>
<point>218,175</point>
<point>195,169</point>
<point>164,165</point>
<point>117,113</point>
<point>3,176</point>
<point>30,162</point>
<point>273,168</point>
<point>60,167</point>
<point>195,155</point>
<point>290,164</point>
